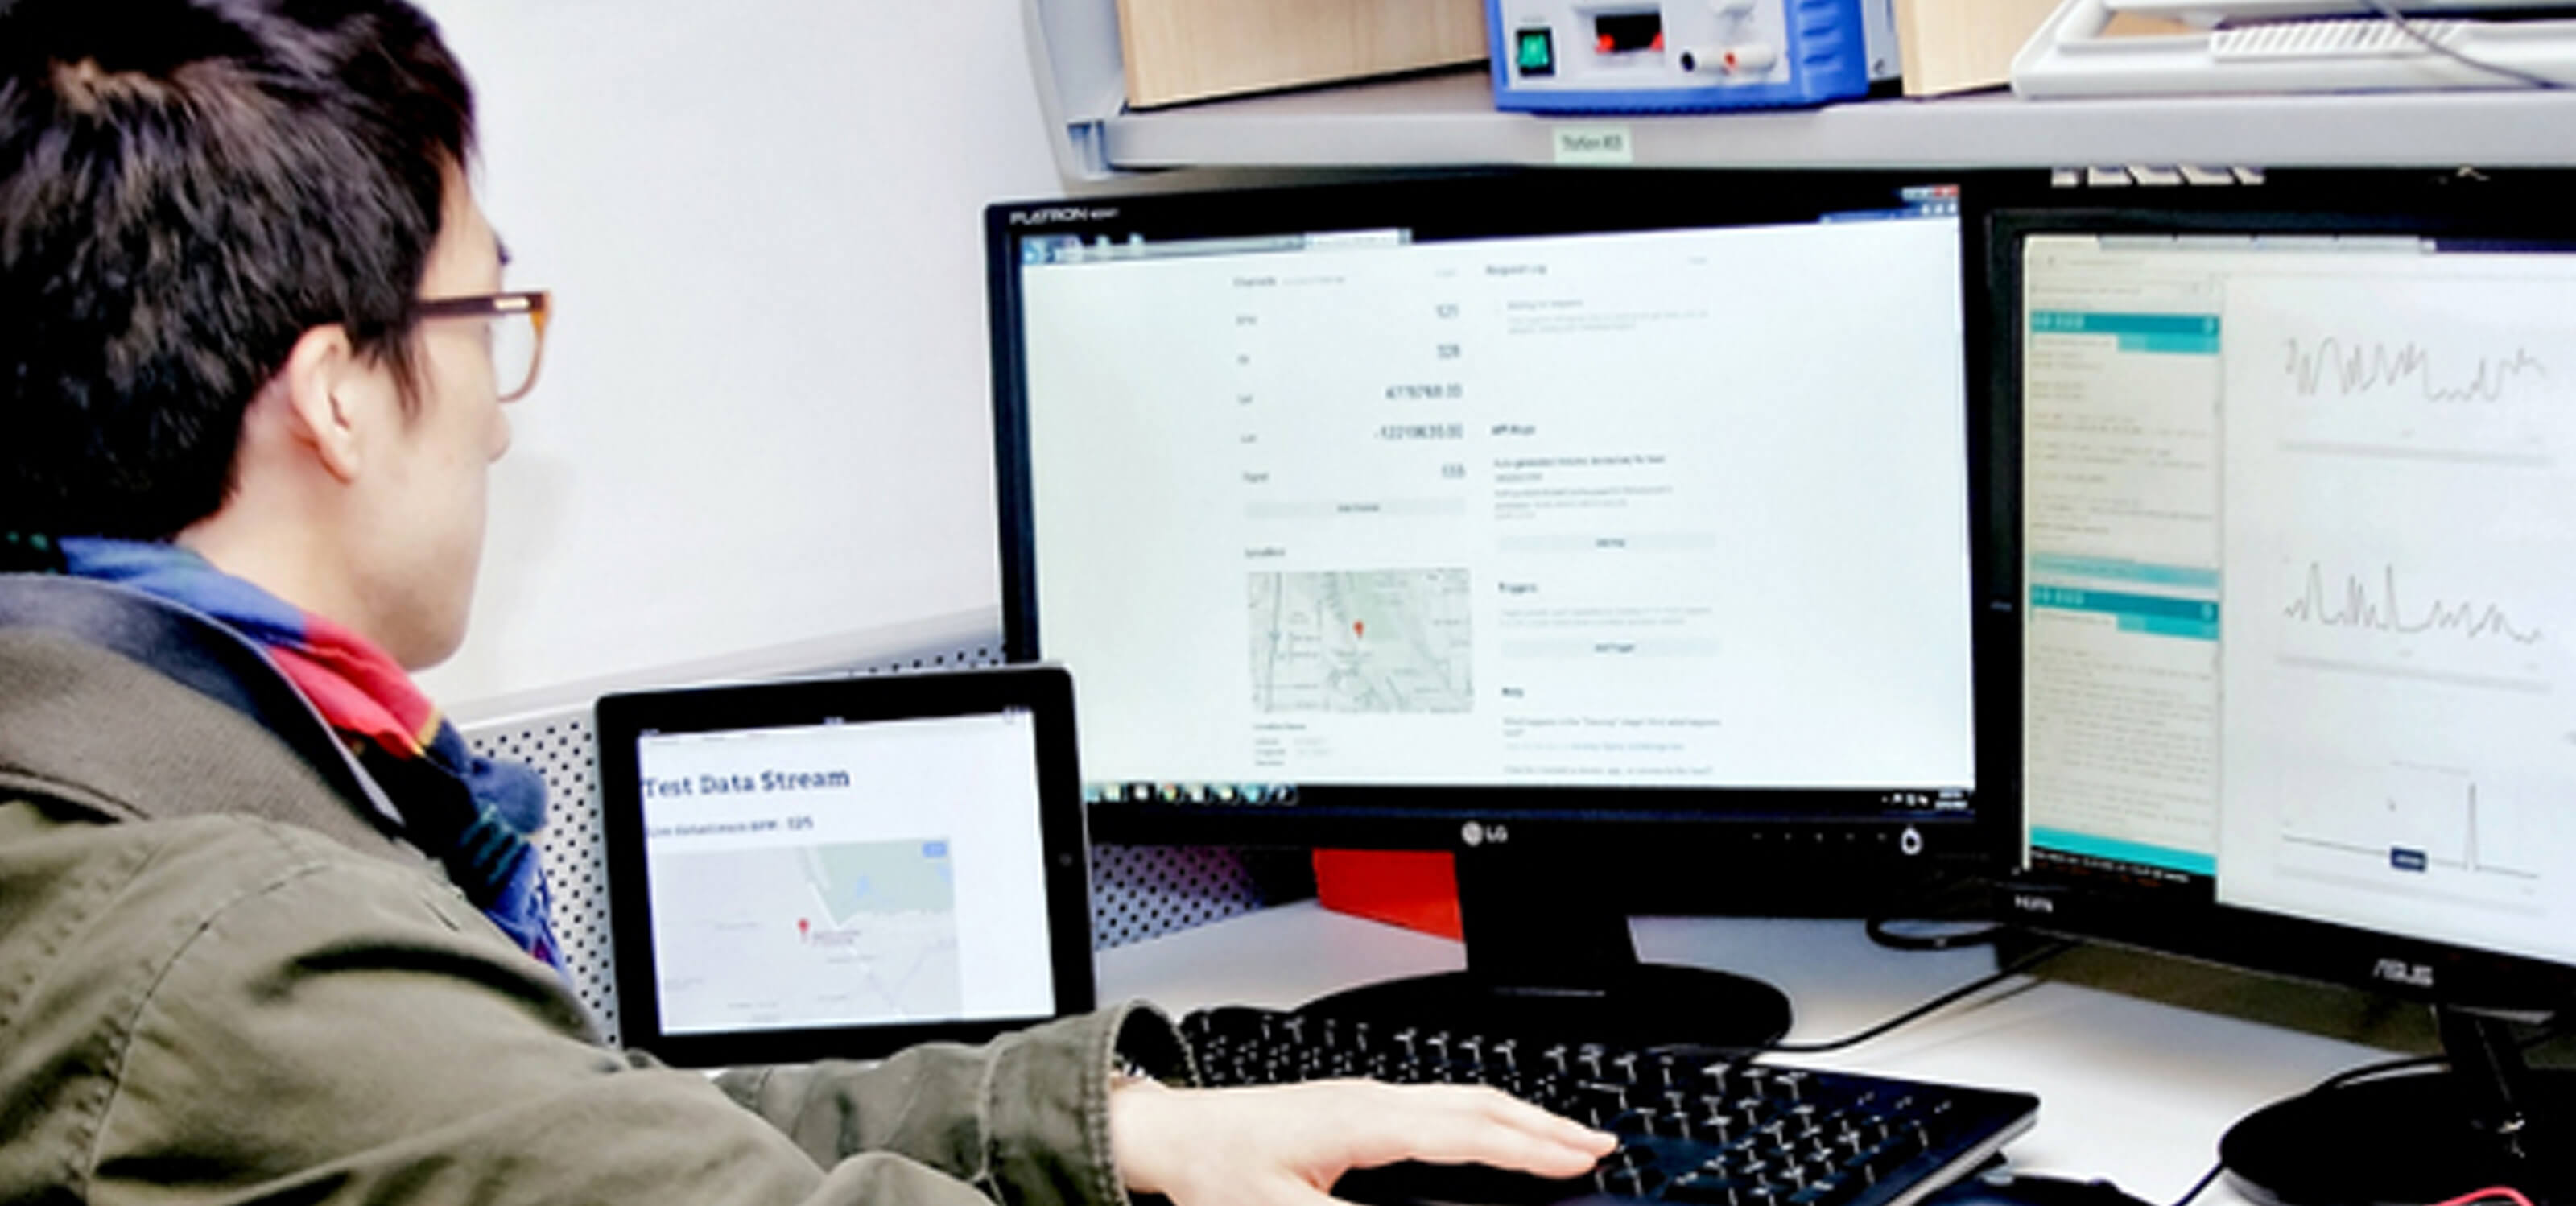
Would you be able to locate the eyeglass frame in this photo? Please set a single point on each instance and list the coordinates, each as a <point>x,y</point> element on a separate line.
<point>537,304</point>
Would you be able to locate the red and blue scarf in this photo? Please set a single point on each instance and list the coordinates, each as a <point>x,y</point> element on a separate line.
<point>475,815</point>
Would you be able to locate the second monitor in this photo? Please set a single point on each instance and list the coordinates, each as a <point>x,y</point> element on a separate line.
<point>1612,530</point>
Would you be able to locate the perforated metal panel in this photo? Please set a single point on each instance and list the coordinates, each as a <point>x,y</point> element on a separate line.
<point>566,752</point>
<point>1137,892</point>
<point>1141,892</point>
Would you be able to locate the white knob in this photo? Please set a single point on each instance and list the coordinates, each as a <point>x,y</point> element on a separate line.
<point>1751,58</point>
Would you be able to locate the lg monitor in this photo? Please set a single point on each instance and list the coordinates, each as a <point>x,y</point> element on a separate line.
<point>1610,530</point>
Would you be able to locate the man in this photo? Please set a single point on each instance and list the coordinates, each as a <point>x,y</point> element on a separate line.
<point>268,931</point>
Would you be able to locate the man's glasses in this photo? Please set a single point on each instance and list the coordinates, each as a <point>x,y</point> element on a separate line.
<point>518,326</point>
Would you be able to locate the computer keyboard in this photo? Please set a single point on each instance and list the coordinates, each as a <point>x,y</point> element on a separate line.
<point>1695,1126</point>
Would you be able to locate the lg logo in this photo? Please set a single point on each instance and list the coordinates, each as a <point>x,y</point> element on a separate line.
<point>1477,833</point>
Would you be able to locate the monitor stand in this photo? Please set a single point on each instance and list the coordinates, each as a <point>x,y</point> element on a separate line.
<point>2487,1121</point>
<point>1549,953</point>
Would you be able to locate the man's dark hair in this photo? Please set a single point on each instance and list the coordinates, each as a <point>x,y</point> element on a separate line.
<point>186,186</point>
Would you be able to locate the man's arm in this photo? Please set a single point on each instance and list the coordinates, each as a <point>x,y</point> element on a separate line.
<point>1037,1132</point>
<point>340,1029</point>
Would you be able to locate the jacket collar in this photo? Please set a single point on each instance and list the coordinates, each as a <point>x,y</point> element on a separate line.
<point>138,709</point>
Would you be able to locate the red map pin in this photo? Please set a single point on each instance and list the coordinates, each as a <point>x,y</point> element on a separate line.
<point>1359,628</point>
<point>803,925</point>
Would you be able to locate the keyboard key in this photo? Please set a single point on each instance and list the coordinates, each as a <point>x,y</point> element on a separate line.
<point>1631,1122</point>
<point>1633,1182</point>
<point>1701,1189</point>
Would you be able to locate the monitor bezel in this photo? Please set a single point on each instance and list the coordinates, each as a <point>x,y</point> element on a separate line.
<point>1043,692</point>
<point>1798,831</point>
<point>2512,207</point>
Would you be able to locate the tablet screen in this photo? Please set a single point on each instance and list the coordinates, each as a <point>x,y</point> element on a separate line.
<point>846,874</point>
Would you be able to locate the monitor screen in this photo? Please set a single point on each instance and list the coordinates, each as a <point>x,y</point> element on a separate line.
<point>1626,485</point>
<point>2301,578</point>
<point>2288,539</point>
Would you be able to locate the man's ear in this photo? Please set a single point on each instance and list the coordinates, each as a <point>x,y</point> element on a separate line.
<point>319,387</point>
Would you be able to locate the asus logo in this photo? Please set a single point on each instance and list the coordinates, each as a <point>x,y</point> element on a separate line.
<point>1062,213</point>
<point>2399,971</point>
<point>2033,904</point>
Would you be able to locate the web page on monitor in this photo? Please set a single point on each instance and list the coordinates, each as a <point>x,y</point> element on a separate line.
<point>1668,508</point>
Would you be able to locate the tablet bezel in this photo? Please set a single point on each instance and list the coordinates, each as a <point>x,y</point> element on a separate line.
<point>1046,692</point>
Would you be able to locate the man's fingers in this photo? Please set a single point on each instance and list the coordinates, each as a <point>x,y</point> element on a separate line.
<point>1514,1112</point>
<point>1289,1191</point>
<point>1483,1126</point>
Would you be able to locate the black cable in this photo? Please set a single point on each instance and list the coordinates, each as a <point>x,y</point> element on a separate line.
<point>2328,1085</point>
<point>2375,1071</point>
<point>2355,1075</point>
<point>2201,1186</point>
<point>1935,1005</point>
<point>2388,11</point>
<point>2556,1027</point>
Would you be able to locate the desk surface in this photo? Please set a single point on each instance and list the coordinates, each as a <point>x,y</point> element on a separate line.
<point>2140,1063</point>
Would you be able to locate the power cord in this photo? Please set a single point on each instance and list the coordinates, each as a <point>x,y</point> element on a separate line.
<point>2491,1194</point>
<point>2554,1028</point>
<point>2385,1067</point>
<point>2388,10</point>
<point>2328,1085</point>
<point>2201,1186</point>
<point>1935,1005</point>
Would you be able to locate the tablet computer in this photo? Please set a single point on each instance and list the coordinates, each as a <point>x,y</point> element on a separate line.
<point>841,868</point>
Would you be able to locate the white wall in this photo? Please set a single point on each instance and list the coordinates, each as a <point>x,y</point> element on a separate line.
<point>764,422</point>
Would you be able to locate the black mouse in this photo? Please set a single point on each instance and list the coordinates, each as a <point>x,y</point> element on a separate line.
<point>2006,1188</point>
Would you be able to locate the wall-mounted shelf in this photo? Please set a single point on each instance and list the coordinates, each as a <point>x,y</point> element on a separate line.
<point>1449,120</point>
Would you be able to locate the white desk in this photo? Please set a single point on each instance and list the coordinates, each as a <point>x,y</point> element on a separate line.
<point>2140,1063</point>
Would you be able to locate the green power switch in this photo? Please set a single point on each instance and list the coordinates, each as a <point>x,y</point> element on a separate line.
<point>1537,54</point>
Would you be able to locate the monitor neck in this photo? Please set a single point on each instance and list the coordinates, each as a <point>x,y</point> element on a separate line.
<point>2494,1083</point>
<point>1537,922</point>
<point>1549,954</point>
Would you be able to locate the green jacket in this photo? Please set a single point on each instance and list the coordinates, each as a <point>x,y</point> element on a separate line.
<point>220,982</point>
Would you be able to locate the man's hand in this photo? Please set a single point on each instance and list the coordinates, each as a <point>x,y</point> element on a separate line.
<point>1286,1145</point>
